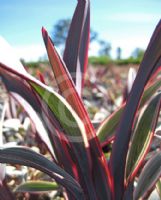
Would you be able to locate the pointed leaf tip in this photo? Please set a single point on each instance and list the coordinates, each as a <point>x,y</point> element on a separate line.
<point>44,35</point>
<point>43,30</point>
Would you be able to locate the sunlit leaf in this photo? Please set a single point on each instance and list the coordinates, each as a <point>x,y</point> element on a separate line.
<point>108,127</point>
<point>78,40</point>
<point>55,108</point>
<point>25,96</point>
<point>37,186</point>
<point>68,90</point>
<point>37,122</point>
<point>63,112</point>
<point>124,131</point>
<point>142,136</point>
<point>74,129</point>
<point>27,157</point>
<point>66,85</point>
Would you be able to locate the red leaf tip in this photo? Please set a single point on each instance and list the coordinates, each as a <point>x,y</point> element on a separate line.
<point>44,35</point>
<point>44,32</point>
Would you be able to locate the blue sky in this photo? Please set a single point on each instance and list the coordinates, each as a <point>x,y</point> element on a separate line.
<point>124,23</point>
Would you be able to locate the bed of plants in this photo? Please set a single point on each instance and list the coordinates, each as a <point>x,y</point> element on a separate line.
<point>118,159</point>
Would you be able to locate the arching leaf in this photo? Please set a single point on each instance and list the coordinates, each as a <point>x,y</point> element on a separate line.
<point>108,127</point>
<point>122,138</point>
<point>150,174</point>
<point>27,157</point>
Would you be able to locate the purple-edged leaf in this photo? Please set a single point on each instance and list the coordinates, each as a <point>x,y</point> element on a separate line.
<point>64,119</point>
<point>150,174</point>
<point>124,131</point>
<point>78,40</point>
<point>16,85</point>
<point>142,136</point>
<point>12,111</point>
<point>37,186</point>
<point>64,114</point>
<point>66,85</point>
<point>27,157</point>
<point>74,129</point>
<point>108,127</point>
<point>37,122</point>
<point>129,192</point>
<point>150,91</point>
<point>68,90</point>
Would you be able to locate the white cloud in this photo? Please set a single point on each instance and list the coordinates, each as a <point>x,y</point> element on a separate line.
<point>34,52</point>
<point>93,49</point>
<point>30,52</point>
<point>128,40</point>
<point>134,17</point>
<point>8,56</point>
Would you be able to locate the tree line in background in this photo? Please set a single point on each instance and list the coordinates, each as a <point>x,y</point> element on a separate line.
<point>59,35</point>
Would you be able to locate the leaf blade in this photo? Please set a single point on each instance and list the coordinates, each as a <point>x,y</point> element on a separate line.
<point>120,146</point>
<point>142,136</point>
<point>70,93</point>
<point>108,127</point>
<point>150,174</point>
<point>27,157</point>
<point>80,142</point>
<point>21,89</point>
<point>76,136</point>
<point>78,40</point>
<point>158,187</point>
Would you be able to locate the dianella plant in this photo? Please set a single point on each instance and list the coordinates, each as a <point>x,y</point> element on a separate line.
<point>131,168</point>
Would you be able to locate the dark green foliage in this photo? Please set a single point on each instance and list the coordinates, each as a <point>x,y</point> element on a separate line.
<point>101,60</point>
<point>128,61</point>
